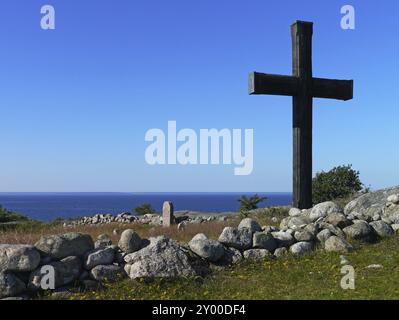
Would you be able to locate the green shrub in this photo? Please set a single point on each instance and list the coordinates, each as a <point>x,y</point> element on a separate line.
<point>145,208</point>
<point>249,203</point>
<point>339,182</point>
<point>9,216</point>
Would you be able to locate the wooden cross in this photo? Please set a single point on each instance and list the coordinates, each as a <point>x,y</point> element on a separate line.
<point>303,88</point>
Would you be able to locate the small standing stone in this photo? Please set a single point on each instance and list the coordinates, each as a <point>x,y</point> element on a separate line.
<point>167,214</point>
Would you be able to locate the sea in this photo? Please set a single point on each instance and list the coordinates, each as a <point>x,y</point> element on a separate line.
<point>50,206</point>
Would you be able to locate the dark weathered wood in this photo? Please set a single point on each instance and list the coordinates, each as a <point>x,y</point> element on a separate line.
<point>263,83</point>
<point>332,89</point>
<point>302,87</point>
<point>302,114</point>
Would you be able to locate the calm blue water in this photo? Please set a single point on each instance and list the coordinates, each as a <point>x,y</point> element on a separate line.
<point>49,206</point>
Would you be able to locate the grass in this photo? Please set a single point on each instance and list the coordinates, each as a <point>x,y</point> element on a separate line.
<point>29,232</point>
<point>314,276</point>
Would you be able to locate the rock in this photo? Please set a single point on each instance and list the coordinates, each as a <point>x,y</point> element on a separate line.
<point>395,227</point>
<point>10,285</point>
<point>65,245</point>
<point>102,242</point>
<point>98,257</point>
<point>294,222</point>
<point>130,241</point>
<point>360,230</point>
<point>65,271</point>
<point>231,256</point>
<point>375,200</point>
<point>300,248</point>
<point>19,258</point>
<point>269,229</point>
<point>393,198</point>
<point>237,238</point>
<point>303,235</point>
<point>108,273</point>
<point>250,224</point>
<point>163,257</point>
<point>321,210</point>
<point>257,254</point>
<point>323,235</point>
<point>336,244</point>
<point>376,217</point>
<point>262,240</point>
<point>312,228</point>
<point>334,230</point>
<point>207,249</point>
<point>181,226</point>
<point>382,229</point>
<point>337,220</point>
<point>279,252</point>
<point>284,239</point>
<point>294,212</point>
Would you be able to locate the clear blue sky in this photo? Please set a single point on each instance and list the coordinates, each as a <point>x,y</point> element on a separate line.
<point>76,102</point>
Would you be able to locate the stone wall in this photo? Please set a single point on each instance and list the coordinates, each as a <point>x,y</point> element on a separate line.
<point>77,260</point>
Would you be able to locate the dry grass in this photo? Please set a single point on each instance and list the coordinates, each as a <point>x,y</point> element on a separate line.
<point>30,235</point>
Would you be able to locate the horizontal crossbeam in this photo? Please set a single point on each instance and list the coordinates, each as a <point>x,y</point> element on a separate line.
<point>263,83</point>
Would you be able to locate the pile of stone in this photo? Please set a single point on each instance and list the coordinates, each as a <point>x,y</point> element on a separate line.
<point>79,261</point>
<point>151,219</point>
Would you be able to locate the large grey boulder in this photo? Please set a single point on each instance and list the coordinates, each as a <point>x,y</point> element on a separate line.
<point>98,257</point>
<point>130,241</point>
<point>257,254</point>
<point>382,229</point>
<point>300,248</point>
<point>208,249</point>
<point>321,210</point>
<point>237,238</point>
<point>336,244</point>
<point>263,240</point>
<point>360,230</point>
<point>19,258</point>
<point>284,239</point>
<point>108,273</point>
<point>376,200</point>
<point>66,271</point>
<point>10,285</point>
<point>65,245</point>
<point>163,257</point>
<point>250,224</point>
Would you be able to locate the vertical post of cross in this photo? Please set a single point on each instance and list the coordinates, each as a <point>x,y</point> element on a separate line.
<point>301,33</point>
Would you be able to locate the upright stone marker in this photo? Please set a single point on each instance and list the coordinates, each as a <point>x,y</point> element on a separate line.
<point>303,87</point>
<point>167,214</point>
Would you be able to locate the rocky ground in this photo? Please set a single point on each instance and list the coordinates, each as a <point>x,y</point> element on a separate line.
<point>79,261</point>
